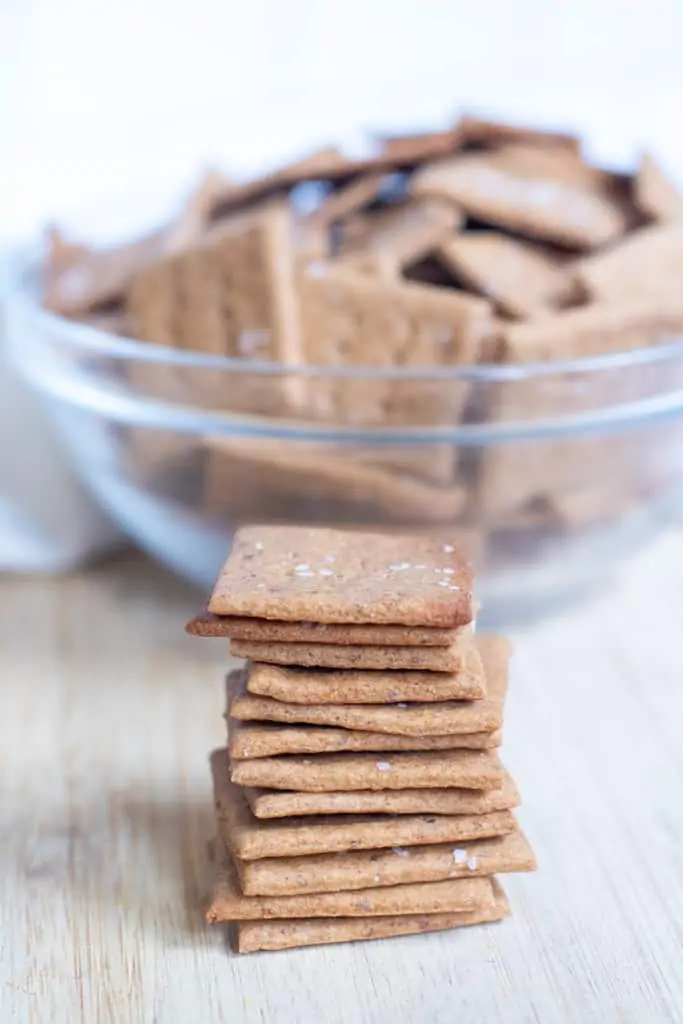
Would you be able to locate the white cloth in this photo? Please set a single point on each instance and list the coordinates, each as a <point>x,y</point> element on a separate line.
<point>98,100</point>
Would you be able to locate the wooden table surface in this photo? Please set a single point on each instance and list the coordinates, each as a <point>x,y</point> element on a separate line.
<point>107,712</point>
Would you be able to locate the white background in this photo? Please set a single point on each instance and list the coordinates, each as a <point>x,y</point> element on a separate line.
<point>98,98</point>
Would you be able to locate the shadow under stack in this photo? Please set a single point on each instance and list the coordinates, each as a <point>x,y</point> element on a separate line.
<point>361,795</point>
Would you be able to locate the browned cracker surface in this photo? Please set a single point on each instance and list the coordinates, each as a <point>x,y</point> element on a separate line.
<point>520,278</point>
<point>271,803</point>
<point>361,869</point>
<point>264,739</point>
<point>545,193</point>
<point>330,686</point>
<point>255,935</point>
<point>325,773</point>
<point>323,575</point>
<point>265,631</point>
<point>250,838</point>
<point>449,895</point>
<point>417,719</point>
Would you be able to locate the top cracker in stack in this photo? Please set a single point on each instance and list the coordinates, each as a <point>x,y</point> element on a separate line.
<point>332,599</point>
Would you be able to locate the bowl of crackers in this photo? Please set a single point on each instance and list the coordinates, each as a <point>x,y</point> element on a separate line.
<point>475,330</point>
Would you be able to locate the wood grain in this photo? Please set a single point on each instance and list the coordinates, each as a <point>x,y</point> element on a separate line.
<point>107,712</point>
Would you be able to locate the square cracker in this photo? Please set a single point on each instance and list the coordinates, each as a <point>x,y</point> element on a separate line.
<point>264,739</point>
<point>255,935</point>
<point>281,804</point>
<point>326,773</point>
<point>250,838</point>
<point>360,319</point>
<point>520,278</point>
<point>350,578</point>
<point>330,686</point>
<point>546,193</point>
<point>333,656</point>
<point>440,718</point>
<point>449,895</point>
<point>361,869</point>
<point>265,631</point>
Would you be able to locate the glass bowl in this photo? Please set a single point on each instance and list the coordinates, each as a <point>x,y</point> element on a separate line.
<point>550,474</point>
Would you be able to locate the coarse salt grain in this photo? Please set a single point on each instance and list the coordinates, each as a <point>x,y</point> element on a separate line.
<point>448,572</point>
<point>472,863</point>
<point>449,549</point>
<point>420,566</point>
<point>460,856</point>
<point>302,567</point>
<point>258,545</point>
<point>400,851</point>
<point>383,766</point>
<point>305,574</point>
<point>442,583</point>
<point>330,558</point>
<point>325,572</point>
<point>400,566</point>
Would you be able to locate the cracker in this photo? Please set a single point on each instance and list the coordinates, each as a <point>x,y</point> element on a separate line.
<point>310,686</point>
<point>544,193</point>
<point>450,895</point>
<point>644,265</point>
<point>99,277</point>
<point>361,869</point>
<point>271,935</point>
<point>655,195</point>
<point>351,578</point>
<point>250,838</point>
<point>332,656</point>
<point>365,320</point>
<point>520,278</point>
<point>265,630</point>
<point>400,234</point>
<point>246,476</point>
<point>608,326</point>
<point>266,739</point>
<point>431,719</point>
<point>282,804</point>
<point>476,131</point>
<point>347,199</point>
<point>325,773</point>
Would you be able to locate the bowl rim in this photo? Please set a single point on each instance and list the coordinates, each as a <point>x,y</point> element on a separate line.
<point>24,263</point>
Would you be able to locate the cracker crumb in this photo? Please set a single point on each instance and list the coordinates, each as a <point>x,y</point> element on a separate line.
<point>400,851</point>
<point>383,766</point>
<point>472,863</point>
<point>460,856</point>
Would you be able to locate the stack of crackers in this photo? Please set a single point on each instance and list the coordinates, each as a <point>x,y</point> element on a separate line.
<point>361,795</point>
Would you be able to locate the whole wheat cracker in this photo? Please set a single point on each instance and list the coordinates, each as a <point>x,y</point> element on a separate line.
<point>521,279</point>
<point>449,895</point>
<point>331,686</point>
<point>360,869</point>
<point>431,719</point>
<point>654,194</point>
<point>250,838</point>
<point>245,476</point>
<point>360,319</point>
<point>271,803</point>
<point>326,773</point>
<point>351,578</point>
<point>545,193</point>
<point>272,935</point>
<point>645,265</point>
<point>264,630</point>
<point>400,234</point>
<point>449,659</point>
<point>264,739</point>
